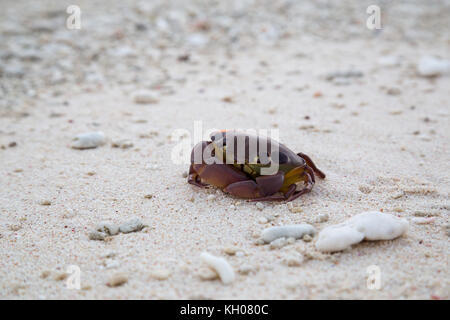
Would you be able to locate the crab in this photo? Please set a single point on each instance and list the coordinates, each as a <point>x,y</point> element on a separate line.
<point>243,175</point>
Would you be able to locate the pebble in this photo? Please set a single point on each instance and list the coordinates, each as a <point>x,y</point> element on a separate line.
<point>262,220</point>
<point>307,238</point>
<point>423,220</point>
<point>230,250</point>
<point>96,235</point>
<point>122,144</point>
<point>145,97</point>
<point>278,243</point>
<point>207,274</point>
<point>89,140</point>
<point>370,225</point>
<point>289,231</point>
<point>61,276</point>
<point>431,67</point>
<point>107,228</point>
<point>131,226</point>
<point>45,203</point>
<point>246,269</point>
<point>293,260</point>
<point>220,265</point>
<point>365,188</point>
<point>117,280</point>
<point>323,217</point>
<point>393,91</point>
<point>389,61</point>
<point>447,229</point>
<point>160,274</point>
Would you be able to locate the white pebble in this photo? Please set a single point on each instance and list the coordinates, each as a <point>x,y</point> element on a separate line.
<point>89,140</point>
<point>108,228</point>
<point>131,226</point>
<point>337,238</point>
<point>220,265</point>
<point>389,61</point>
<point>378,226</point>
<point>262,220</point>
<point>371,225</point>
<point>278,243</point>
<point>295,231</point>
<point>423,220</point>
<point>145,97</point>
<point>430,66</point>
<point>293,260</point>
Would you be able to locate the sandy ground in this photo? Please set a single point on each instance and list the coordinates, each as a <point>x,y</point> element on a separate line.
<point>382,139</point>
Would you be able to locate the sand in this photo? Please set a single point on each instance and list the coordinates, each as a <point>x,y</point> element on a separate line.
<point>382,139</point>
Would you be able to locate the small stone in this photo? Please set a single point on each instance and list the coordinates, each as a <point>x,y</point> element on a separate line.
<point>107,228</point>
<point>15,227</point>
<point>262,220</point>
<point>227,99</point>
<point>307,238</point>
<point>447,229</point>
<point>293,260</point>
<point>45,203</point>
<point>230,250</point>
<point>89,140</point>
<point>122,144</point>
<point>278,243</point>
<point>245,269</point>
<point>145,97</point>
<point>366,189</point>
<point>295,209</point>
<point>117,280</point>
<point>45,274</point>
<point>431,67</point>
<point>389,61</point>
<point>12,144</point>
<point>61,276</point>
<point>132,226</point>
<point>148,196</point>
<point>160,274</point>
<point>207,274</point>
<point>423,220</point>
<point>96,235</point>
<point>371,225</point>
<point>393,91</point>
<point>288,231</point>
<point>397,195</point>
<point>323,217</point>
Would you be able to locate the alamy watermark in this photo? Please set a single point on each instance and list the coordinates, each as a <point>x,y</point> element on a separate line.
<point>374,19</point>
<point>374,277</point>
<point>74,279</point>
<point>73,21</point>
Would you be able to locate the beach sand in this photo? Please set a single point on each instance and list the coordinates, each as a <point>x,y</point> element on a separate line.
<point>382,138</point>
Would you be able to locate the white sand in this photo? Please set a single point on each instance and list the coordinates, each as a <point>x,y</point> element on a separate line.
<point>377,150</point>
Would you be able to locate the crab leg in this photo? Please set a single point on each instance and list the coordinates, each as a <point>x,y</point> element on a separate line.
<point>194,178</point>
<point>262,186</point>
<point>311,164</point>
